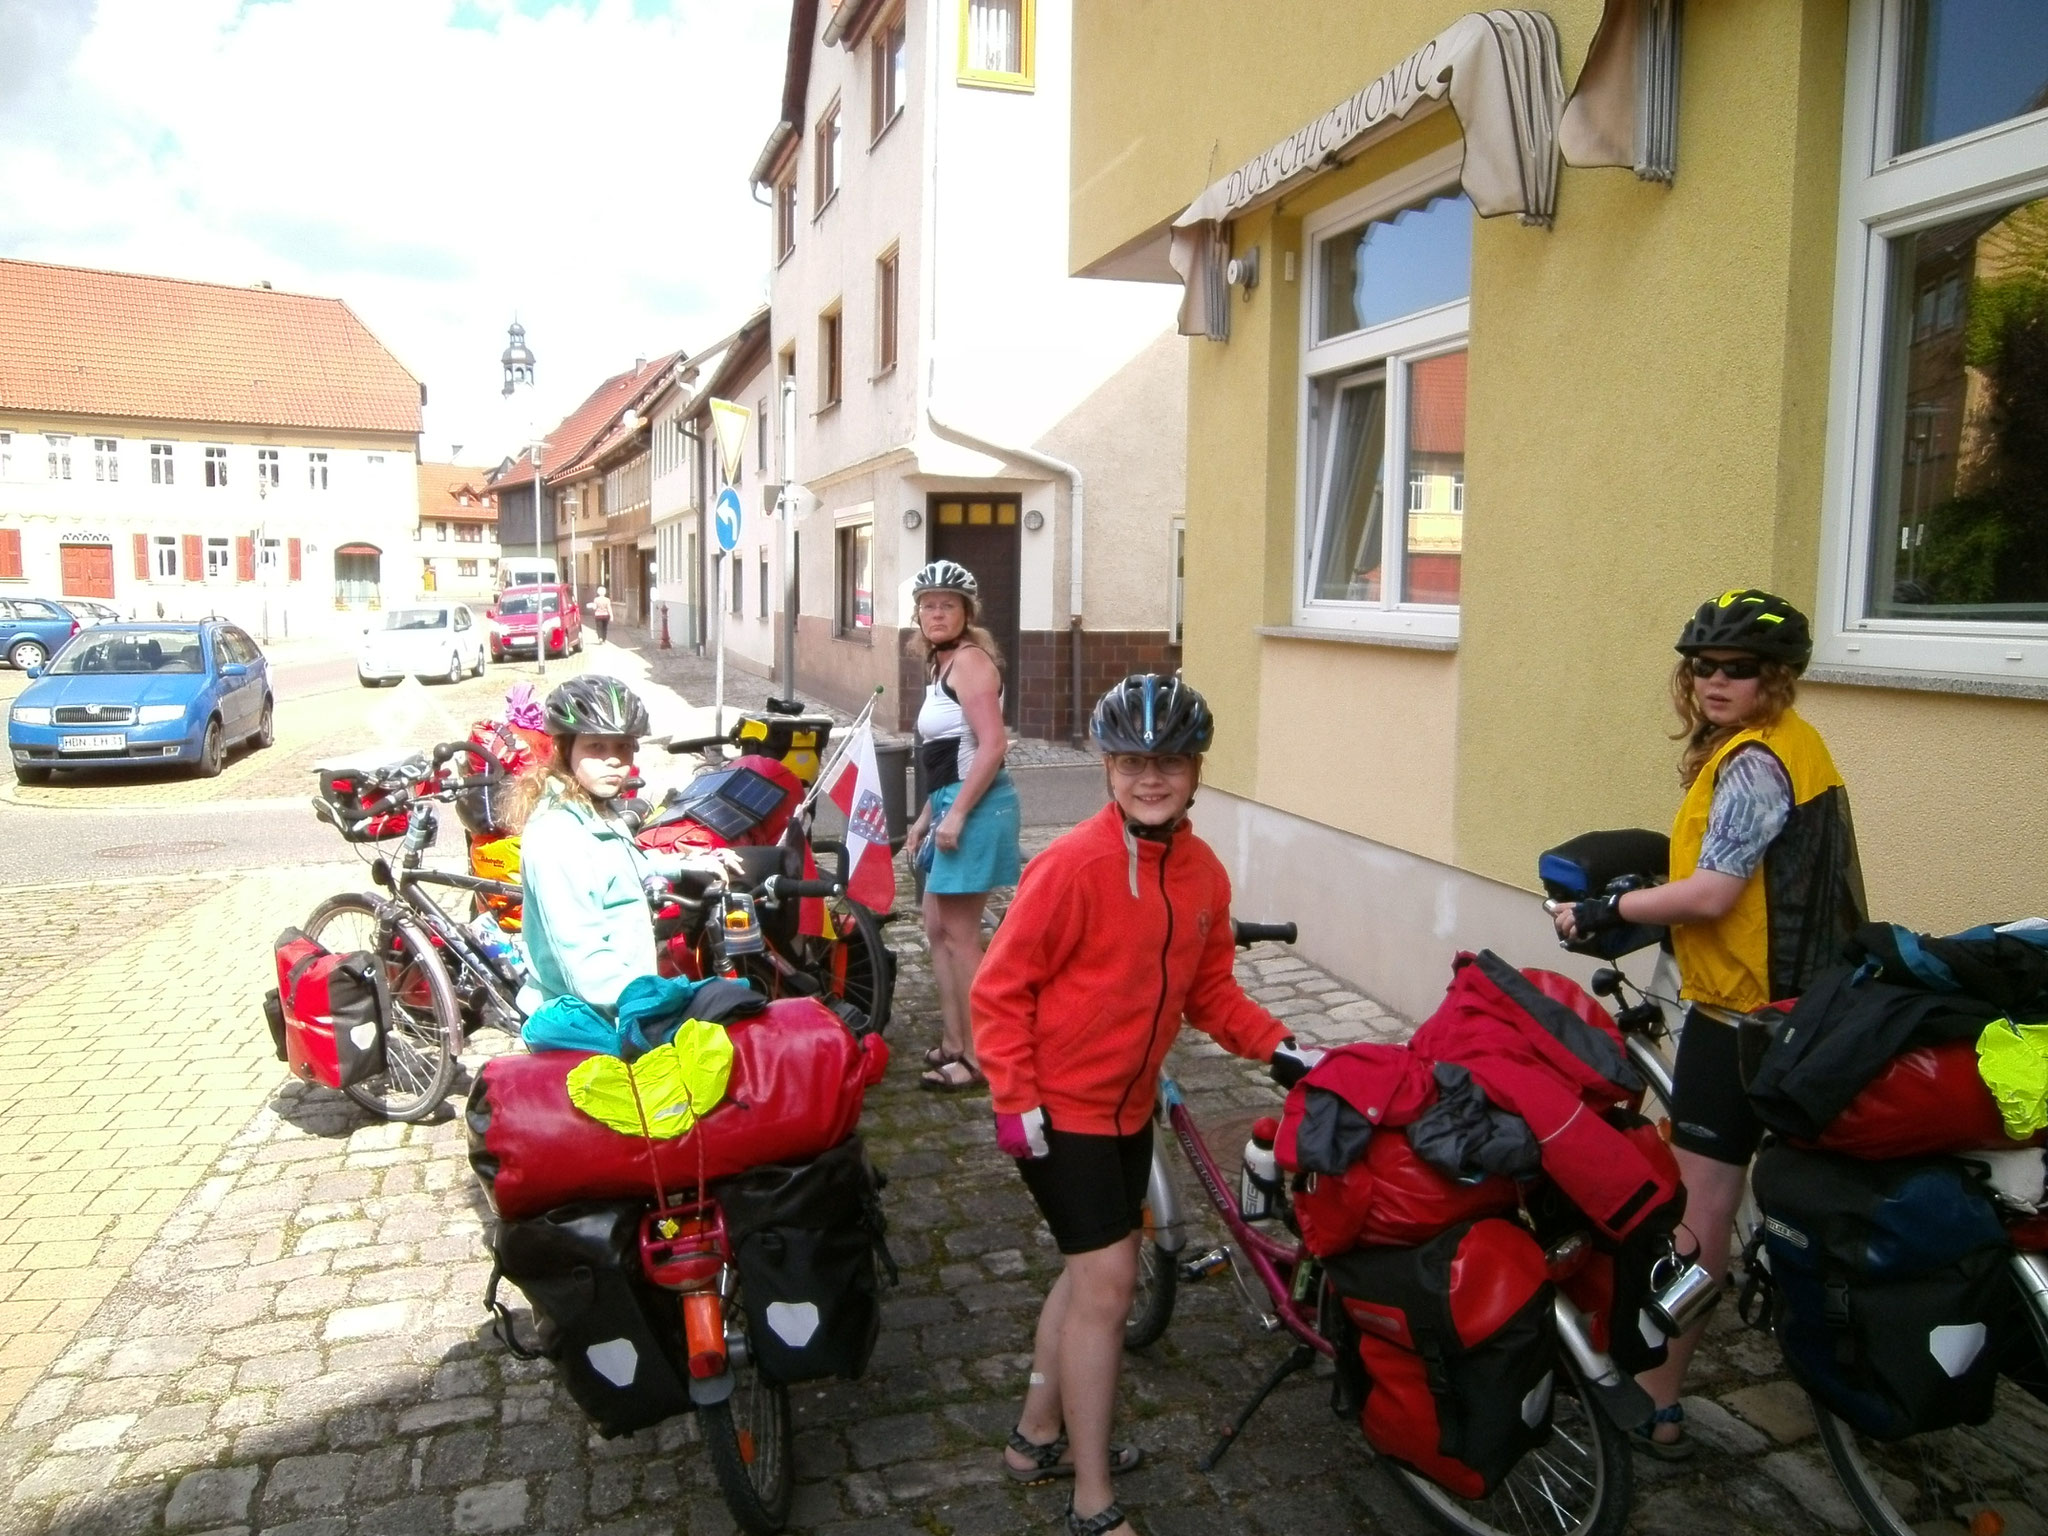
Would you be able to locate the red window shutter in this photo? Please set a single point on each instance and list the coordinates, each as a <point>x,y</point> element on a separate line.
<point>245,559</point>
<point>292,554</point>
<point>195,559</point>
<point>10,553</point>
<point>142,557</point>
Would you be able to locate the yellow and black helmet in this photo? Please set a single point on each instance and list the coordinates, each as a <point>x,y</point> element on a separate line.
<point>1749,619</point>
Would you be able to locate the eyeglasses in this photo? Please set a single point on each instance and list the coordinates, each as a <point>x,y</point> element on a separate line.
<point>1740,669</point>
<point>1133,765</point>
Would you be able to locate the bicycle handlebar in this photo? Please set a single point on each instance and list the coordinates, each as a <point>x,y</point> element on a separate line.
<point>700,743</point>
<point>779,886</point>
<point>1248,934</point>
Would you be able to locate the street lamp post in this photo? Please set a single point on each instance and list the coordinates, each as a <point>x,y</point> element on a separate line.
<point>518,364</point>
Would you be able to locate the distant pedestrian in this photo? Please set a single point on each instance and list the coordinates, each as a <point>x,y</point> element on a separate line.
<point>601,610</point>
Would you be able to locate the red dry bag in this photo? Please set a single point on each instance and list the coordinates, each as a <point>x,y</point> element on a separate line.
<point>1927,1102</point>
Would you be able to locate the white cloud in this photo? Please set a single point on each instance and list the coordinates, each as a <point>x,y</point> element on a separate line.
<point>438,164</point>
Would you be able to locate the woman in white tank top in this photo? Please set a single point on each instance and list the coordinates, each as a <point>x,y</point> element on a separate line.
<point>967,830</point>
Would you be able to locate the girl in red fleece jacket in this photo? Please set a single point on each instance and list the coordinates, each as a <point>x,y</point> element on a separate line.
<point>1119,929</point>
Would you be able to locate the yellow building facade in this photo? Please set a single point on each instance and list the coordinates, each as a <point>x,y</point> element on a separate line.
<point>1455,482</point>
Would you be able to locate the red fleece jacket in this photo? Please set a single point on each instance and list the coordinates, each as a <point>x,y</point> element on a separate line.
<point>1111,940</point>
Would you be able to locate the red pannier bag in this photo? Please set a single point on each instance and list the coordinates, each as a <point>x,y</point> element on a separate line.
<point>1609,1282</point>
<point>327,1015</point>
<point>1390,1198</point>
<point>1928,1101</point>
<point>798,1079</point>
<point>1459,1345</point>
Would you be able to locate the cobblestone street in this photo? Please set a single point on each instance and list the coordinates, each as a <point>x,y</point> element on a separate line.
<point>299,1345</point>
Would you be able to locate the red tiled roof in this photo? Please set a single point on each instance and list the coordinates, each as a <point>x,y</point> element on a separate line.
<point>584,428</point>
<point>75,341</point>
<point>443,485</point>
<point>1436,421</point>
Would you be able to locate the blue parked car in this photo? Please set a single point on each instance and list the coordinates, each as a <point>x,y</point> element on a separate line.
<point>122,694</point>
<point>33,629</point>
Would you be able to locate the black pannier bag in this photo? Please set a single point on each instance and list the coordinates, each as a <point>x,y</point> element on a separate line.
<point>1459,1343</point>
<point>616,1338</point>
<point>1892,1299</point>
<point>806,1238</point>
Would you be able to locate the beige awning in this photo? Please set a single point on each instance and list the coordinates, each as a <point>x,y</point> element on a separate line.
<point>1499,71</point>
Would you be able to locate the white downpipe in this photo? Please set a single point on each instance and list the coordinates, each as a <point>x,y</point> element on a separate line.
<point>928,297</point>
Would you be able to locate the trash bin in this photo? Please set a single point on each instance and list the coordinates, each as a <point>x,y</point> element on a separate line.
<point>892,761</point>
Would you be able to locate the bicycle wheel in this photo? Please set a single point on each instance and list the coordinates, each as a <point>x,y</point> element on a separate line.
<point>854,971</point>
<point>1580,1484</point>
<point>1158,1281</point>
<point>425,1022</point>
<point>752,1450</point>
<point>1950,1475</point>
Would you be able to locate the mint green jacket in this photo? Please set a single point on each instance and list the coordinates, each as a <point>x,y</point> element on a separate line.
<point>587,927</point>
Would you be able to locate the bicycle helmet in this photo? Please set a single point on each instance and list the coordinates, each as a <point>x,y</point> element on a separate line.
<point>1153,714</point>
<point>593,705</point>
<point>1752,620</point>
<point>946,576</point>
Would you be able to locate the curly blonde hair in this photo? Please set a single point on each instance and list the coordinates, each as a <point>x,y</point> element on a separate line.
<point>1777,685</point>
<point>527,791</point>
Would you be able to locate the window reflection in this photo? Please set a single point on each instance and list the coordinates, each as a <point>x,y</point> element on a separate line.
<point>1963,530</point>
<point>1969,64</point>
<point>1417,259</point>
<point>1348,561</point>
<point>1436,479</point>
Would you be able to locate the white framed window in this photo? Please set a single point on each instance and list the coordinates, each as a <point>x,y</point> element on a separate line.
<point>219,558</point>
<point>1935,541</point>
<point>166,556</point>
<point>465,567</point>
<point>1381,457</point>
<point>270,554</point>
<point>6,455</point>
<point>267,467</point>
<point>316,471</point>
<point>766,604</point>
<point>161,464</point>
<point>375,458</point>
<point>216,467</point>
<point>106,459</point>
<point>59,451</point>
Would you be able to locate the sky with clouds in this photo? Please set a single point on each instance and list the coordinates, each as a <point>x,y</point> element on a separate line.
<point>437,164</point>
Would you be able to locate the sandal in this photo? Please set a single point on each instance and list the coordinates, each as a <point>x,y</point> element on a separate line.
<point>938,1056</point>
<point>942,1079</point>
<point>1645,1438</point>
<point>1046,1464</point>
<point>1108,1518</point>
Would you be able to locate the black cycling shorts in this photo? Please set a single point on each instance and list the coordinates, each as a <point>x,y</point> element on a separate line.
<point>1091,1189</point>
<point>1710,1113</point>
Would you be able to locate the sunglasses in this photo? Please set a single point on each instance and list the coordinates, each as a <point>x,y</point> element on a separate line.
<point>1739,669</point>
<point>1132,765</point>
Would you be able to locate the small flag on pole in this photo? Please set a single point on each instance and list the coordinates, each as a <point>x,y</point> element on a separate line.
<point>856,788</point>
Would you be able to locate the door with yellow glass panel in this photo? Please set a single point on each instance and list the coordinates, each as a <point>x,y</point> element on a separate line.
<point>981,532</point>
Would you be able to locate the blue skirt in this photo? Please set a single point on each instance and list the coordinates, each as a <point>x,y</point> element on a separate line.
<point>988,855</point>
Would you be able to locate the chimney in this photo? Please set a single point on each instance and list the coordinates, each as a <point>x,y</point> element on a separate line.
<point>639,363</point>
<point>261,282</point>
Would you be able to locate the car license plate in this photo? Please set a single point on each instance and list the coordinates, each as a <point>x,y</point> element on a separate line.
<point>92,744</point>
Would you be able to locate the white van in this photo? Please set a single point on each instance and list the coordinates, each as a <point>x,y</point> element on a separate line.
<point>526,571</point>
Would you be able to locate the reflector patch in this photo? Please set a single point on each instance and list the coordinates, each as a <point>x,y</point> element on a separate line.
<point>364,1035</point>
<point>616,1360</point>
<point>1536,1406</point>
<point>1956,1345</point>
<point>793,1322</point>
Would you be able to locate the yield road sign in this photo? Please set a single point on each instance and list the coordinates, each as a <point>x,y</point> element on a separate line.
<point>729,426</point>
<point>726,516</point>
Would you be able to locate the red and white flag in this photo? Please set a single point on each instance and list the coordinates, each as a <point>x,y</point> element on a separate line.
<point>856,788</point>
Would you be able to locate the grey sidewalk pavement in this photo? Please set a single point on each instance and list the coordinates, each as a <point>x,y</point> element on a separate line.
<point>303,1352</point>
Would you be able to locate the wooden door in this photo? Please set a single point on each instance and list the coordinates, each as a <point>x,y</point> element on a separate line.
<point>88,570</point>
<point>981,532</point>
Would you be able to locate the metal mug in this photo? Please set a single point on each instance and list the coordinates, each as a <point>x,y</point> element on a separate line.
<point>1681,1291</point>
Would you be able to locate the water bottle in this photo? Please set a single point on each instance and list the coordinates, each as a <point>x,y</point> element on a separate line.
<point>1258,1183</point>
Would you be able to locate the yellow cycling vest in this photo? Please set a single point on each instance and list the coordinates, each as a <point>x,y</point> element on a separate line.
<point>1804,900</point>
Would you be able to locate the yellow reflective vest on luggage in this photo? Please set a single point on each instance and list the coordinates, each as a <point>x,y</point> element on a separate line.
<point>671,1086</point>
<point>1802,902</point>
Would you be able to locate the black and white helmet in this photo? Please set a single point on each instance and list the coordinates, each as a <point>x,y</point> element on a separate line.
<point>1157,715</point>
<point>595,705</point>
<point>946,576</point>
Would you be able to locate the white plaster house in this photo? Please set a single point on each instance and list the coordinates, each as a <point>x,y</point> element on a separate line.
<point>945,388</point>
<point>179,449</point>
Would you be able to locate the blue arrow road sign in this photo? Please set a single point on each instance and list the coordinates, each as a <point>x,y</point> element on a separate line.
<point>725,518</point>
